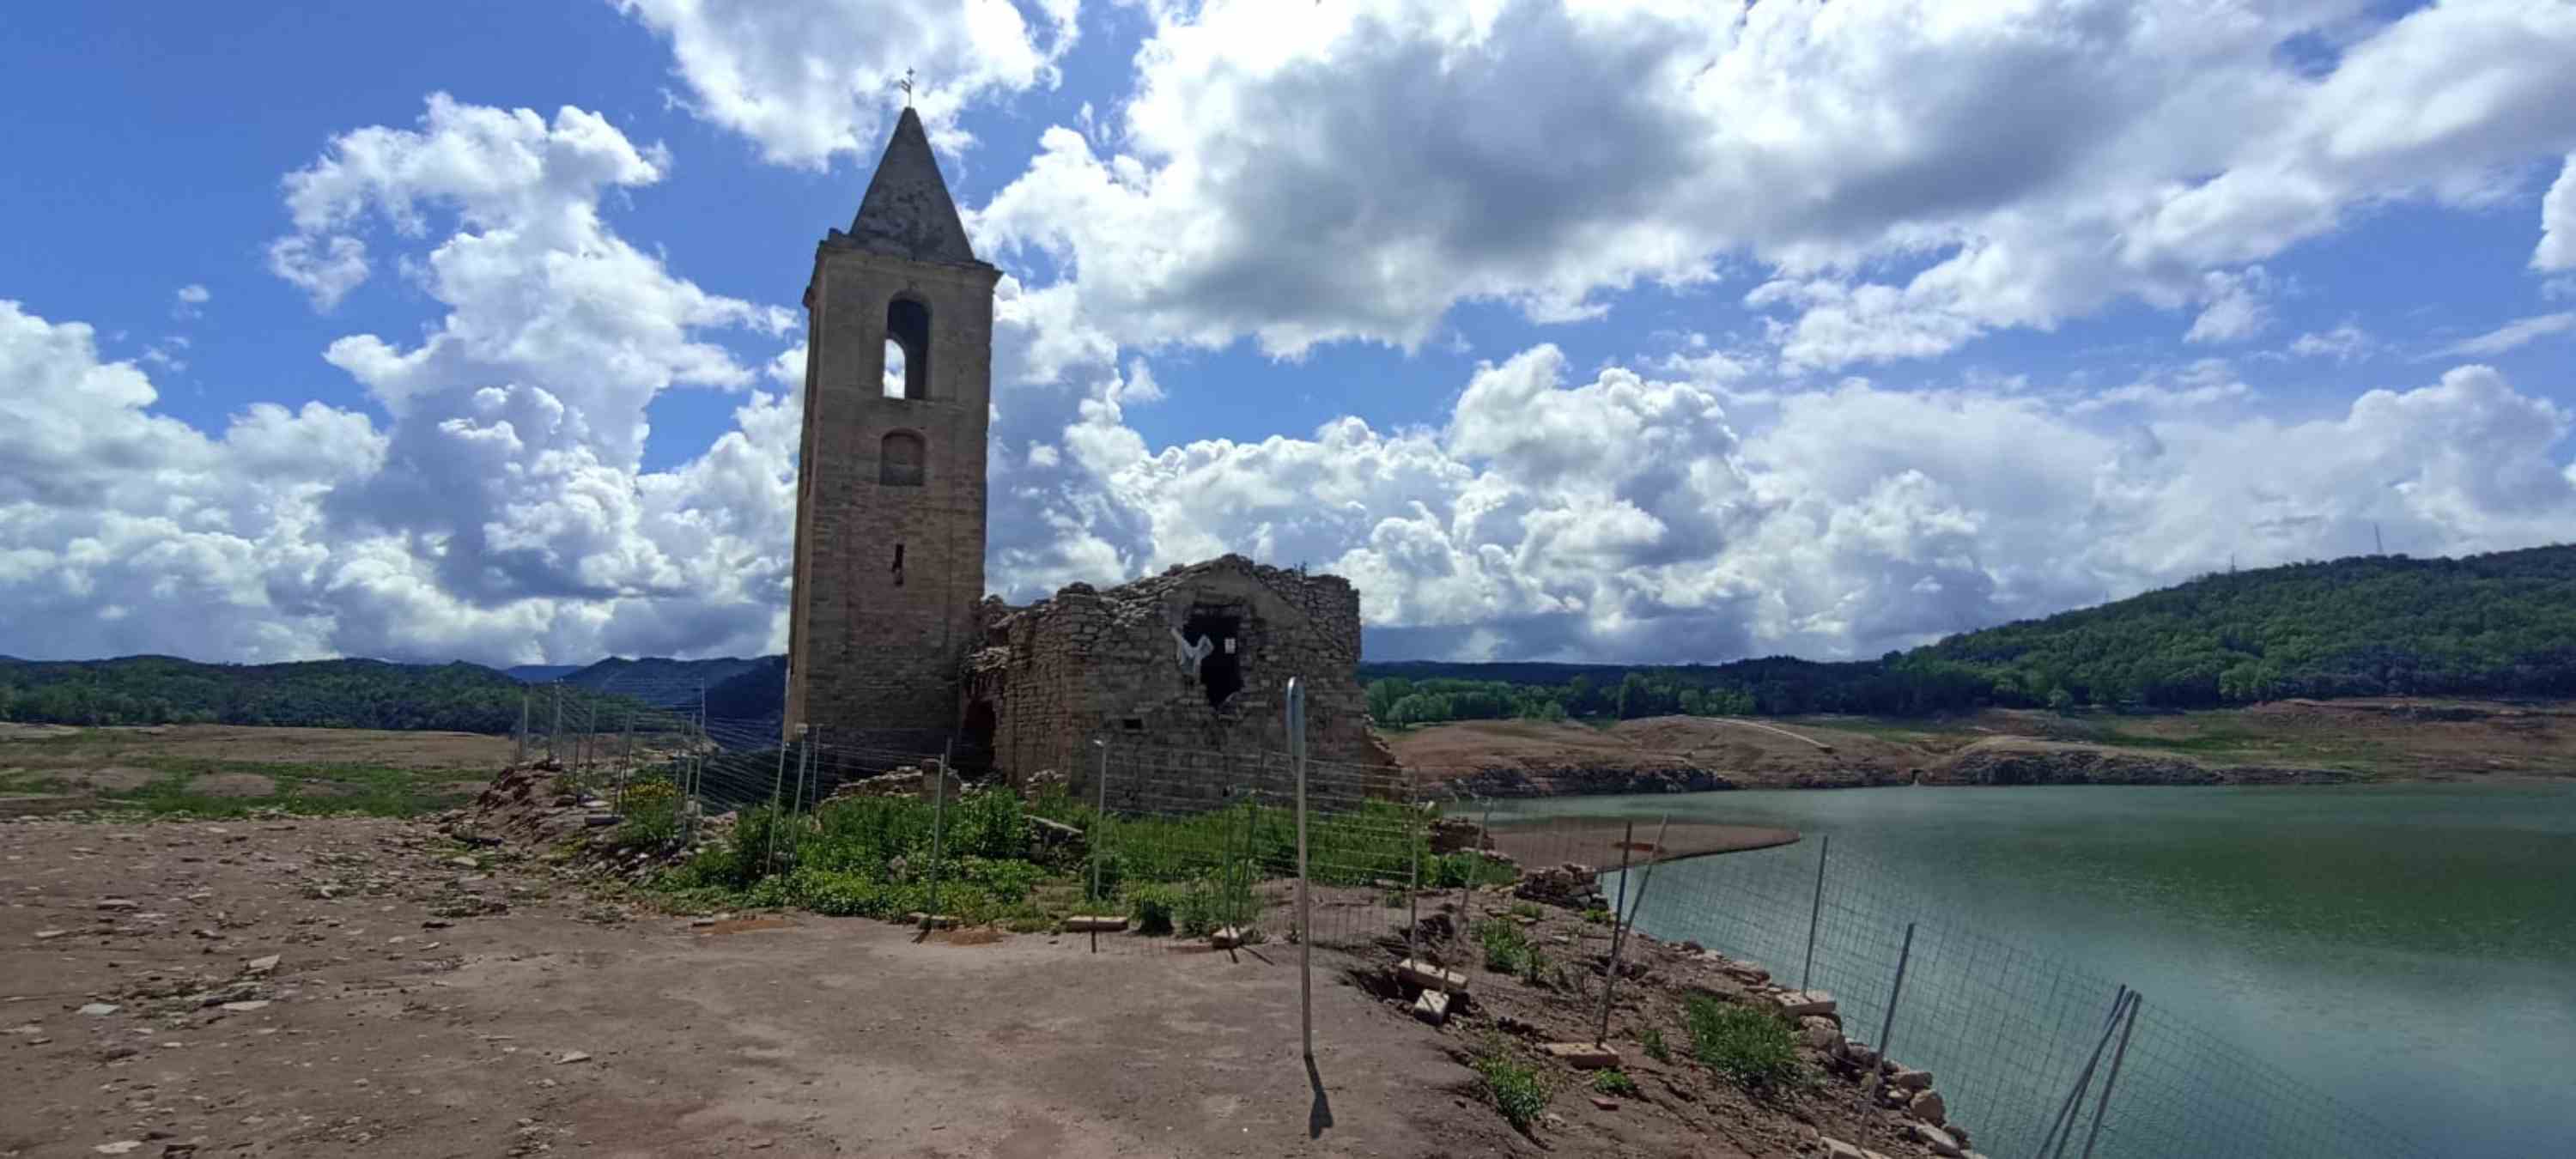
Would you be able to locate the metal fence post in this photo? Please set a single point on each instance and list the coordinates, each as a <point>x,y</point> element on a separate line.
<point>519,751</point>
<point>777,786</point>
<point>1467,880</point>
<point>938,839</point>
<point>1412,865</point>
<point>1626,839</point>
<point>2117,1054</point>
<point>1887,1025</point>
<point>1619,929</point>
<point>1099,831</point>
<point>2061,1126</point>
<point>1251,852</point>
<point>556,733</point>
<point>1815,910</point>
<point>1305,899</point>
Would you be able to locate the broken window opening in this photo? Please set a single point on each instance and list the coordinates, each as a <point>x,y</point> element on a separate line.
<point>1133,724</point>
<point>907,349</point>
<point>898,565</point>
<point>1221,666</point>
<point>899,460</point>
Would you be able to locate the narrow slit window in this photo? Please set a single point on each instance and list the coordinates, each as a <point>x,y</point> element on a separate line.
<point>898,565</point>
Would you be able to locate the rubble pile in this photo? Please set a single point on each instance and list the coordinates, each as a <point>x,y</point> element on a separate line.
<point>538,805</point>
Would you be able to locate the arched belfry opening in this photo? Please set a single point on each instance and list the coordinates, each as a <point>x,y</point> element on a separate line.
<point>908,343</point>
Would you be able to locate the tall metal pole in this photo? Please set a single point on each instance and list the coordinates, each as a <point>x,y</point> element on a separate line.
<point>938,834</point>
<point>1625,840</point>
<point>519,752</point>
<point>1619,928</point>
<point>1413,866</point>
<point>1815,910</point>
<point>2062,1126</point>
<point>1305,898</point>
<point>2118,1053</point>
<point>778,786</point>
<point>1887,1025</point>
<point>553,736</point>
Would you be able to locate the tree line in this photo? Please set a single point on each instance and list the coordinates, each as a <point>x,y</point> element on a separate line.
<point>455,697</point>
<point>2490,625</point>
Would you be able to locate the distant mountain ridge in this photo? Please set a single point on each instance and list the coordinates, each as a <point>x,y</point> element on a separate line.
<point>2501,624</point>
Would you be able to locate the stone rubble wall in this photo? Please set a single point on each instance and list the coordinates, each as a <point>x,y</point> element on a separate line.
<point>1090,663</point>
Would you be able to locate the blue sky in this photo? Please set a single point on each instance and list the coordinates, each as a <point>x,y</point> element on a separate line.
<point>1613,332</point>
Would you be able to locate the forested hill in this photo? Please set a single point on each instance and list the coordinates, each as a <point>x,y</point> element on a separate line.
<point>2495,625</point>
<point>2499,625</point>
<point>318,693</point>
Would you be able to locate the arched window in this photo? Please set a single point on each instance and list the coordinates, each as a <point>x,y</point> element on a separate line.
<point>907,349</point>
<point>899,460</point>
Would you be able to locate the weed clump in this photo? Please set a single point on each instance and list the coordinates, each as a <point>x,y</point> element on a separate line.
<point>1654,1043</point>
<point>1614,1081</point>
<point>1507,949</point>
<point>1752,1047</point>
<point>1515,1089</point>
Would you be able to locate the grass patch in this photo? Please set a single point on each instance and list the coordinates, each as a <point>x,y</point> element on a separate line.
<point>1752,1047</point>
<point>199,787</point>
<point>1614,1081</point>
<point>1527,909</point>
<point>1507,949</point>
<point>1515,1089</point>
<point>1654,1043</point>
<point>1190,875</point>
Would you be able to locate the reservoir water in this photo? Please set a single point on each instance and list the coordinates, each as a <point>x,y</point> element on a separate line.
<point>2408,949</point>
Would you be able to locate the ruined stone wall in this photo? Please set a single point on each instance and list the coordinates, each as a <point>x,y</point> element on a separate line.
<point>1104,664</point>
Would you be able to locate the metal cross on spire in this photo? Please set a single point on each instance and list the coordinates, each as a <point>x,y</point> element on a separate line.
<point>906,85</point>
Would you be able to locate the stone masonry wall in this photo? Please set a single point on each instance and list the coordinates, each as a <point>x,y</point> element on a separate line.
<point>873,661</point>
<point>1091,664</point>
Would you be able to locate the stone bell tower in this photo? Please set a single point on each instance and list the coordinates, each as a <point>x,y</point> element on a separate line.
<point>890,479</point>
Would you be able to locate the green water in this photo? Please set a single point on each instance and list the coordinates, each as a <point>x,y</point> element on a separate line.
<point>2410,950</point>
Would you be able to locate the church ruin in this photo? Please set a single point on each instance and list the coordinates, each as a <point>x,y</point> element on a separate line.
<point>892,643</point>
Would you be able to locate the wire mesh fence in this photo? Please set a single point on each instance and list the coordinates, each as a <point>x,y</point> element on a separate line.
<point>2039,1055</point>
<point>1159,849</point>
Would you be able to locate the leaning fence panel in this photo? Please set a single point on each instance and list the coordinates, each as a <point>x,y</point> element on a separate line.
<point>2017,1037</point>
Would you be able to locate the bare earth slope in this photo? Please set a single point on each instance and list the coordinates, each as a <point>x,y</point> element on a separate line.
<point>2295,741</point>
<point>329,987</point>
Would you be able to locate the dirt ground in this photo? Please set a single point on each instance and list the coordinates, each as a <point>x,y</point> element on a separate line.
<point>346,985</point>
<point>232,742</point>
<point>212,768</point>
<point>2387,738</point>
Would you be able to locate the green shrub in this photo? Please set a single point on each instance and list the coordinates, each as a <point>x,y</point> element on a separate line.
<point>1614,1081</point>
<point>1752,1047</point>
<point>1507,949</point>
<point>1466,867</point>
<point>1655,1049</point>
<point>652,815</point>
<point>1527,909</point>
<point>1155,907</point>
<point>1006,881</point>
<point>988,824</point>
<point>1214,903</point>
<point>1514,1089</point>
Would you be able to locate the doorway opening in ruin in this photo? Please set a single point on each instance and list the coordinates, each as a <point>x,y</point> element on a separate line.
<point>975,741</point>
<point>1221,670</point>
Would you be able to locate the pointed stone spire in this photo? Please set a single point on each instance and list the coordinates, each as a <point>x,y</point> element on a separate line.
<point>907,212</point>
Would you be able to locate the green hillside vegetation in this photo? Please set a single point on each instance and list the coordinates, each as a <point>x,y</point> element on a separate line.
<point>315,694</point>
<point>2489,625</point>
